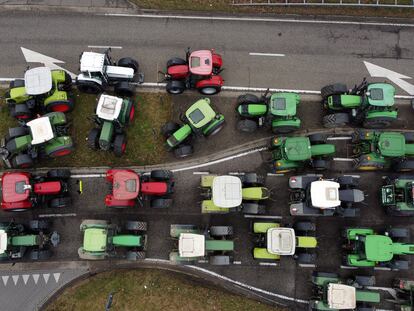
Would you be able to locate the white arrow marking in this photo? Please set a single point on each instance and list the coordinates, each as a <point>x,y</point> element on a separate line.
<point>56,276</point>
<point>5,279</point>
<point>46,277</point>
<point>35,57</point>
<point>395,77</point>
<point>15,279</point>
<point>25,278</point>
<point>35,278</point>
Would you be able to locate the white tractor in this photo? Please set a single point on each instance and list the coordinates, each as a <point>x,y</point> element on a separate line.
<point>99,72</point>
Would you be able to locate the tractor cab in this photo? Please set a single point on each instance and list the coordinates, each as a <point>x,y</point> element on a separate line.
<point>3,241</point>
<point>95,240</point>
<point>341,296</point>
<point>191,245</point>
<point>227,191</point>
<point>41,130</point>
<point>380,95</point>
<point>125,185</point>
<point>200,114</point>
<point>391,144</point>
<point>201,62</point>
<point>325,194</point>
<point>15,187</point>
<point>297,148</point>
<point>283,104</point>
<point>109,107</point>
<point>281,241</point>
<point>38,81</point>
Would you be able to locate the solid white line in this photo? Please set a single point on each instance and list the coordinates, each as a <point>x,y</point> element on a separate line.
<point>57,215</point>
<point>201,173</point>
<point>339,138</point>
<point>104,47</point>
<point>248,19</point>
<point>343,159</point>
<point>348,267</point>
<point>268,264</point>
<point>382,268</point>
<point>237,262</point>
<point>261,216</point>
<point>88,176</point>
<point>266,54</point>
<point>274,175</point>
<point>307,265</point>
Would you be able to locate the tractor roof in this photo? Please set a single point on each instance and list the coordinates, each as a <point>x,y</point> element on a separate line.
<point>92,62</point>
<point>41,130</point>
<point>200,113</point>
<point>281,241</point>
<point>381,94</point>
<point>95,239</point>
<point>284,104</point>
<point>341,297</point>
<point>378,248</point>
<point>227,191</point>
<point>201,62</point>
<point>38,80</point>
<point>325,194</point>
<point>125,185</point>
<point>15,187</point>
<point>391,144</point>
<point>3,241</point>
<point>297,148</point>
<point>191,245</point>
<point>109,107</point>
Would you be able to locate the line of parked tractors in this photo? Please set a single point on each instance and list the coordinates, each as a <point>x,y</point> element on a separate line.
<point>41,100</point>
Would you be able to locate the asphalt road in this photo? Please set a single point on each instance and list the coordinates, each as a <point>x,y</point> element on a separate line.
<point>315,54</point>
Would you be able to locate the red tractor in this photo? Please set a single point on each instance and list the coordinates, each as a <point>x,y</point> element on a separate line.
<point>128,188</point>
<point>22,191</point>
<point>200,70</point>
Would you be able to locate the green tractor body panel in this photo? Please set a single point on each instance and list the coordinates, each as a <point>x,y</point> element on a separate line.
<point>306,242</point>
<point>409,149</point>
<point>347,101</point>
<point>176,230</point>
<point>262,227</point>
<point>284,104</point>
<point>392,144</point>
<point>382,114</point>
<point>322,149</point>
<point>379,248</point>
<point>179,136</point>
<point>57,142</point>
<point>381,94</point>
<point>58,76</point>
<point>56,118</point>
<point>324,280</point>
<point>219,245</point>
<point>208,206</point>
<point>127,240</point>
<point>356,261</point>
<point>403,249</point>
<point>255,193</point>
<point>18,94</point>
<point>106,135</point>
<point>292,122</point>
<point>200,113</point>
<point>56,96</point>
<point>253,110</point>
<point>24,240</point>
<point>281,165</point>
<point>218,118</point>
<point>352,233</point>
<point>367,296</point>
<point>123,114</point>
<point>22,143</point>
<point>297,148</point>
<point>95,240</point>
<point>262,253</point>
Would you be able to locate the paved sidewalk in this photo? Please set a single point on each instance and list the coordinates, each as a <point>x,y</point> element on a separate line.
<point>121,4</point>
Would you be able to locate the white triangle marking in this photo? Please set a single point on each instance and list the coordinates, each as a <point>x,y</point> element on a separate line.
<point>46,277</point>
<point>5,279</point>
<point>56,276</point>
<point>35,57</point>
<point>15,279</point>
<point>25,278</point>
<point>35,278</point>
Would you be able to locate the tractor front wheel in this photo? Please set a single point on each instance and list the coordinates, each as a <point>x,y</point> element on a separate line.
<point>286,129</point>
<point>161,203</point>
<point>175,87</point>
<point>37,254</point>
<point>209,89</point>
<point>21,112</point>
<point>22,161</point>
<point>333,89</point>
<point>320,164</point>
<point>60,202</point>
<point>124,89</point>
<point>59,173</point>
<point>176,61</point>
<point>183,151</point>
<point>169,128</point>
<point>247,99</point>
<point>93,139</point>
<point>404,166</point>
<point>129,62</point>
<point>377,123</point>
<point>136,226</point>
<point>89,87</point>
<point>131,255</point>
<point>39,225</point>
<point>162,175</point>
<point>247,126</point>
<point>335,120</point>
<point>120,145</point>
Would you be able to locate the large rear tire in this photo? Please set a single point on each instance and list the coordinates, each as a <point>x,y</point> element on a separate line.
<point>175,87</point>
<point>335,120</point>
<point>175,61</point>
<point>129,62</point>
<point>247,99</point>
<point>89,87</point>
<point>124,89</point>
<point>247,126</point>
<point>318,138</point>
<point>333,89</point>
<point>404,166</point>
<point>377,123</point>
<point>120,145</point>
<point>93,138</point>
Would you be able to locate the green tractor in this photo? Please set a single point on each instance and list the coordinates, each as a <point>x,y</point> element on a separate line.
<point>365,248</point>
<point>199,120</point>
<point>375,150</point>
<point>277,111</point>
<point>404,298</point>
<point>272,241</point>
<point>113,115</point>
<point>42,90</point>
<point>333,293</point>
<point>227,193</point>
<point>370,105</point>
<point>34,241</point>
<point>194,244</point>
<point>104,240</point>
<point>39,138</point>
<point>291,153</point>
<point>397,196</point>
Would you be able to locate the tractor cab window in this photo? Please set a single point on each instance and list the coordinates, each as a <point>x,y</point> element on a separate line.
<point>131,185</point>
<point>196,116</point>
<point>376,94</point>
<point>279,104</point>
<point>20,187</point>
<point>195,62</point>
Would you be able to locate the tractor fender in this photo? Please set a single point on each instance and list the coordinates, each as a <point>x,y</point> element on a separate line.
<point>212,81</point>
<point>322,150</point>
<point>58,142</point>
<point>393,114</point>
<point>294,122</point>
<point>409,149</point>
<point>58,76</point>
<point>111,201</point>
<point>56,96</point>
<point>83,77</point>
<point>107,135</point>
<point>56,118</point>
<point>16,205</point>
<point>178,72</point>
<point>297,209</point>
<point>18,95</point>
<point>217,60</point>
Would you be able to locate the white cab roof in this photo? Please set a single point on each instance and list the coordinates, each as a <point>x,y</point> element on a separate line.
<point>3,241</point>
<point>191,245</point>
<point>92,62</point>
<point>109,107</point>
<point>281,241</point>
<point>325,194</point>
<point>41,130</point>
<point>227,191</point>
<point>38,80</point>
<point>341,297</point>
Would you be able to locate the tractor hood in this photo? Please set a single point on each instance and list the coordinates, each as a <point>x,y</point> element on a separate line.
<point>92,62</point>
<point>41,130</point>
<point>378,248</point>
<point>191,245</point>
<point>381,94</point>
<point>201,62</point>
<point>325,194</point>
<point>109,107</point>
<point>341,297</point>
<point>297,148</point>
<point>119,72</point>
<point>391,144</point>
<point>281,241</point>
<point>38,80</point>
<point>3,241</point>
<point>227,191</point>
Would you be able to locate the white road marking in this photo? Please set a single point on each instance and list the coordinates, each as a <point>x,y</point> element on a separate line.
<point>202,261</point>
<point>382,268</point>
<point>348,267</point>
<point>274,175</point>
<point>249,19</point>
<point>15,279</point>
<point>343,159</point>
<point>56,276</point>
<point>339,138</point>
<point>268,264</point>
<point>57,215</point>
<point>262,216</point>
<point>237,262</point>
<point>88,176</point>
<point>104,47</point>
<point>5,279</point>
<point>267,54</point>
<point>46,277</point>
<point>305,265</point>
<point>201,173</point>
<point>25,278</point>
<point>35,277</point>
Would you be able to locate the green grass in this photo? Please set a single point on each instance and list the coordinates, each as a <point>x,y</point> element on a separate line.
<point>145,144</point>
<point>149,290</point>
<point>227,7</point>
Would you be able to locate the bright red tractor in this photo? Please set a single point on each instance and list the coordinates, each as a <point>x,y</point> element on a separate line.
<point>200,70</point>
<point>22,191</point>
<point>128,188</point>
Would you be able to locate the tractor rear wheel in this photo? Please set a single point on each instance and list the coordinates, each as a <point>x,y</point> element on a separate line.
<point>404,166</point>
<point>175,61</point>
<point>219,260</point>
<point>161,203</point>
<point>60,202</point>
<point>22,161</point>
<point>247,99</point>
<point>89,87</point>
<point>60,151</point>
<point>169,128</point>
<point>93,138</point>
<point>59,173</point>
<point>129,62</point>
<point>120,142</point>
<point>215,128</point>
<point>37,254</point>
<point>39,225</point>
<point>320,164</point>
<point>124,89</point>
<point>21,112</point>
<point>162,175</point>
<point>409,137</point>
<point>286,129</point>
<point>60,106</point>
<point>247,126</point>
<point>209,89</point>
<point>175,87</point>
<point>306,258</point>
<point>136,226</point>
<point>335,120</point>
<point>131,255</point>
<point>377,123</point>
<point>318,138</point>
<point>333,89</point>
<point>221,231</point>
<point>183,151</point>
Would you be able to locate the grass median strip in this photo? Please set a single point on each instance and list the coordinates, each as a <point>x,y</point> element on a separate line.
<point>149,290</point>
<point>145,144</point>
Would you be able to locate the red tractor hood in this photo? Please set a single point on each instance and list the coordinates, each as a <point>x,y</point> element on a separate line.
<point>154,188</point>
<point>48,187</point>
<point>125,184</point>
<point>13,187</point>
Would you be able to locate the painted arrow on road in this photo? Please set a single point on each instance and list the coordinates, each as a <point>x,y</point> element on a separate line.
<point>35,57</point>
<point>395,77</point>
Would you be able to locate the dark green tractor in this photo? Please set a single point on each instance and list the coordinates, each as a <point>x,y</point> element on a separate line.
<point>113,115</point>
<point>404,298</point>
<point>333,293</point>
<point>42,90</point>
<point>370,105</point>
<point>292,153</point>
<point>397,196</point>
<point>277,111</point>
<point>43,137</point>
<point>199,120</point>
<point>374,150</point>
